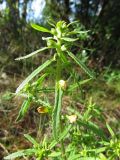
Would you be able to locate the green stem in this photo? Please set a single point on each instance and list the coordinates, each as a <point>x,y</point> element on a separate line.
<point>62,146</point>
<point>58,77</point>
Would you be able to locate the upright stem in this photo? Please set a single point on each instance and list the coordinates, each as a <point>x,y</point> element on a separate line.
<point>58,77</point>
<point>62,145</point>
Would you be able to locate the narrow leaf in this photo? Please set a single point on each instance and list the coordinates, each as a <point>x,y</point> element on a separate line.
<point>69,39</point>
<point>21,153</point>
<point>93,127</point>
<point>81,64</point>
<point>32,54</point>
<point>99,150</point>
<point>43,103</point>
<point>40,28</point>
<point>72,23</point>
<point>74,86</point>
<point>33,74</point>
<point>89,158</point>
<point>24,109</point>
<point>61,137</point>
<point>30,139</point>
<point>39,81</point>
<point>110,130</point>
<point>74,157</point>
<point>54,154</point>
<point>77,32</point>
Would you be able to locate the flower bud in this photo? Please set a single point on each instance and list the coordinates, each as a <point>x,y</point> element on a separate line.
<point>63,84</point>
<point>53,31</point>
<point>63,48</point>
<point>42,109</point>
<point>72,118</point>
<point>51,43</point>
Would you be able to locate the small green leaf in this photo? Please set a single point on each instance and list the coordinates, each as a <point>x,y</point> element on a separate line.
<point>69,39</point>
<point>100,150</point>
<point>32,54</point>
<point>60,23</point>
<point>72,23</point>
<point>21,153</point>
<point>93,127</point>
<point>30,139</point>
<point>24,109</point>
<point>78,32</point>
<point>102,157</point>
<point>40,28</point>
<point>33,74</point>
<point>39,81</point>
<point>110,130</point>
<point>43,103</point>
<point>61,137</point>
<point>75,85</point>
<point>81,64</point>
<point>74,157</point>
<point>54,154</point>
<point>89,158</point>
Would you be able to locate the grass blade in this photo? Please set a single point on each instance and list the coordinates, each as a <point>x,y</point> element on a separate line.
<point>33,74</point>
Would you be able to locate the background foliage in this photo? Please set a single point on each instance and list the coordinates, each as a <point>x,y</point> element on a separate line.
<point>100,16</point>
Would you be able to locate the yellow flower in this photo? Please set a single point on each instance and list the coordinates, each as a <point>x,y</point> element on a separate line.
<point>42,109</point>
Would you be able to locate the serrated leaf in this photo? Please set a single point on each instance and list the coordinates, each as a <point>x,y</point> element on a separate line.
<point>21,153</point>
<point>33,74</point>
<point>40,28</point>
<point>24,109</point>
<point>69,39</point>
<point>81,64</point>
<point>32,54</point>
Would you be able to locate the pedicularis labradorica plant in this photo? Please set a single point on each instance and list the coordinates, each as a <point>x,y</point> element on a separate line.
<point>73,136</point>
